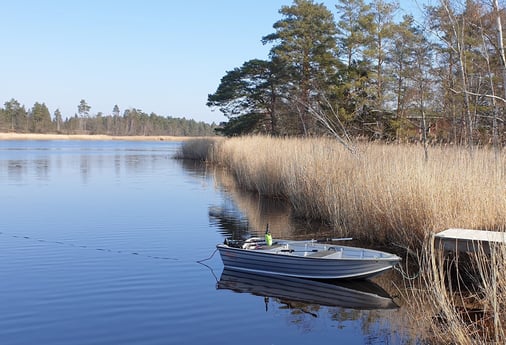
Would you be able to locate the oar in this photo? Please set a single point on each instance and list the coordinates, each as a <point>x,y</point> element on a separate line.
<point>339,239</point>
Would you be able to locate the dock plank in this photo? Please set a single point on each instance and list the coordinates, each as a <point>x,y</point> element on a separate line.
<point>469,240</point>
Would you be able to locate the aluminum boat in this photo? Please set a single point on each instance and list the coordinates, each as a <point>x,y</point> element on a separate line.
<point>304,259</point>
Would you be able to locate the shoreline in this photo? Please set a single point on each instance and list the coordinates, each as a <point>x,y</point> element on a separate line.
<point>97,137</point>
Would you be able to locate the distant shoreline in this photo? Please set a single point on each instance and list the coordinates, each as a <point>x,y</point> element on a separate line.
<point>37,136</point>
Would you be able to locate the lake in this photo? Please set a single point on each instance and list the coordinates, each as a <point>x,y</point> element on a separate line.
<point>100,243</point>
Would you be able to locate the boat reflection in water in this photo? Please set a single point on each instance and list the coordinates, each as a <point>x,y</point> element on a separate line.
<point>357,294</point>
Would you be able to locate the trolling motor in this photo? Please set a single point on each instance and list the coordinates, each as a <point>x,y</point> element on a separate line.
<point>233,243</point>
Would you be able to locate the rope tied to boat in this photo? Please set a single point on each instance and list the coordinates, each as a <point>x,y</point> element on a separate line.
<point>201,262</point>
<point>409,253</point>
<point>209,258</point>
<point>404,275</point>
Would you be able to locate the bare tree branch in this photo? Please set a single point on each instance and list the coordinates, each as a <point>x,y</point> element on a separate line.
<point>478,94</point>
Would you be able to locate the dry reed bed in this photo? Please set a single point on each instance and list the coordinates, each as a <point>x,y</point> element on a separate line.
<point>389,193</point>
<point>385,193</point>
<point>197,149</point>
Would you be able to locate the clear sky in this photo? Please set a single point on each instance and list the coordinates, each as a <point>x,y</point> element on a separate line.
<point>161,56</point>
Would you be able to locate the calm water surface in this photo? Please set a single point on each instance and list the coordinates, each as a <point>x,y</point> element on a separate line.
<point>99,243</point>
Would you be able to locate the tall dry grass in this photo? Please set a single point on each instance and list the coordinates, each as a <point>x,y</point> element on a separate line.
<point>386,193</point>
<point>197,149</point>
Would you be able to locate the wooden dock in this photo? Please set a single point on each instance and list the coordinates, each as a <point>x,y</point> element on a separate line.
<point>468,240</point>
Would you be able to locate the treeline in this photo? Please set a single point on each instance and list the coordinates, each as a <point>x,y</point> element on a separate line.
<point>357,70</point>
<point>14,117</point>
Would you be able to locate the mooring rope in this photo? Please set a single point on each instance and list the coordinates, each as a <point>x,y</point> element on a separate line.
<point>61,243</point>
<point>399,269</point>
<point>201,262</point>
<point>209,258</point>
<point>404,274</point>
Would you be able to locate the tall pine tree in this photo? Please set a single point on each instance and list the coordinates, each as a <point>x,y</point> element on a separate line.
<point>305,44</point>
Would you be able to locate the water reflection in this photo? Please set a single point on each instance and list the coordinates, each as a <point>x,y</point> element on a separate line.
<point>229,222</point>
<point>21,161</point>
<point>15,169</point>
<point>308,294</point>
<point>194,168</point>
<point>307,304</point>
<point>42,170</point>
<point>244,214</point>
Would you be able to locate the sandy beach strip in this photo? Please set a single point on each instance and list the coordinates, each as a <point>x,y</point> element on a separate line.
<point>37,136</point>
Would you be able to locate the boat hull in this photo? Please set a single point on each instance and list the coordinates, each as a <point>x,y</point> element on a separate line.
<point>304,266</point>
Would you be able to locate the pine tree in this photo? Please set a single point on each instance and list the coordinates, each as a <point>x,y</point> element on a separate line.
<point>305,44</point>
<point>40,118</point>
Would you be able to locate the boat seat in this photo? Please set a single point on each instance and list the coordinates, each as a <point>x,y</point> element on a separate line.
<point>324,253</point>
<point>274,247</point>
<point>321,253</point>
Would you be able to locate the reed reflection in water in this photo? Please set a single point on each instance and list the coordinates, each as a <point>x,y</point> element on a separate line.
<point>243,214</point>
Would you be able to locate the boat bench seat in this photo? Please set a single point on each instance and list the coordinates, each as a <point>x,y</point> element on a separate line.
<point>274,248</point>
<point>323,253</point>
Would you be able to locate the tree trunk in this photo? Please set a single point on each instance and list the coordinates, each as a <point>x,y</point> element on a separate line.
<point>500,46</point>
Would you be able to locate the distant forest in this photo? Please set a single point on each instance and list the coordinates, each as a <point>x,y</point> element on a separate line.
<point>14,117</point>
<point>359,69</point>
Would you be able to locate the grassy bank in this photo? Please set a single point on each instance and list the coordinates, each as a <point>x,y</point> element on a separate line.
<point>389,194</point>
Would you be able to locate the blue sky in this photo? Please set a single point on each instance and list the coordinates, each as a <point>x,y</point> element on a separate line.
<point>161,56</point>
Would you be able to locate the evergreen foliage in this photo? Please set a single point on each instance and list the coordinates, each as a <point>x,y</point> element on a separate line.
<point>14,118</point>
<point>375,74</point>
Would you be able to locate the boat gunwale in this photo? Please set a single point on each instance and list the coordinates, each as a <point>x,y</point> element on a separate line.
<point>367,274</point>
<point>391,257</point>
